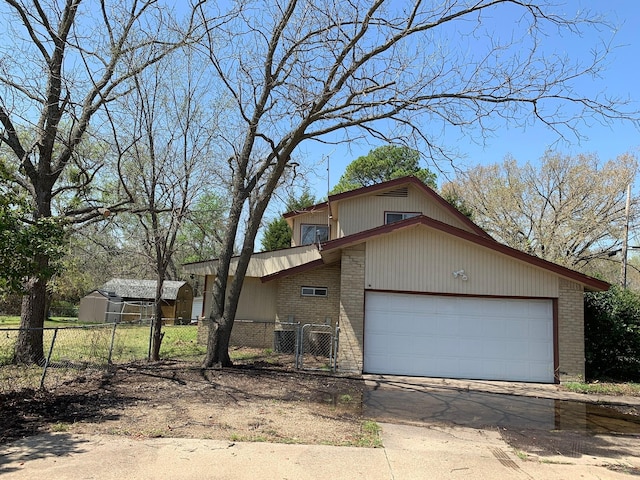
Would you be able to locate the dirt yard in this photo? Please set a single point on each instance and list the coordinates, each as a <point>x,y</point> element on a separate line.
<point>171,399</point>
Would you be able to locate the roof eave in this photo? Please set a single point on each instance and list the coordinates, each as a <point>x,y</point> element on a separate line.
<point>589,283</point>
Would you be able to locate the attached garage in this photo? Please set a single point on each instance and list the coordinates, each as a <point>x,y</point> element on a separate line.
<point>431,294</point>
<point>459,337</point>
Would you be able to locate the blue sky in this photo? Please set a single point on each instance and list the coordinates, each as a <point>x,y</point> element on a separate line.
<point>620,79</point>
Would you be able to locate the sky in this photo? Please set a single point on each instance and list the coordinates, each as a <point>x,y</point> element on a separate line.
<point>621,79</point>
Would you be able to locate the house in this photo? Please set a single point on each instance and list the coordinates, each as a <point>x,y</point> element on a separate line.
<point>418,289</point>
<point>131,300</point>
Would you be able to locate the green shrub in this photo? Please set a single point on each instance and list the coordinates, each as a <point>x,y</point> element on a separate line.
<point>612,335</point>
<point>62,308</point>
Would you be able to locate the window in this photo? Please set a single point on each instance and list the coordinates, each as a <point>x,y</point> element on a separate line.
<point>390,217</point>
<point>314,291</point>
<point>314,234</point>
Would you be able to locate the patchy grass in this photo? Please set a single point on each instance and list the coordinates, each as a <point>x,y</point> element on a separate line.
<point>13,321</point>
<point>603,388</point>
<point>234,437</point>
<point>9,321</point>
<point>60,427</point>
<point>369,435</point>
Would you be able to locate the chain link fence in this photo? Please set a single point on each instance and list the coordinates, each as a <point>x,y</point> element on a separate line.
<point>73,351</point>
<point>67,353</point>
<point>312,346</point>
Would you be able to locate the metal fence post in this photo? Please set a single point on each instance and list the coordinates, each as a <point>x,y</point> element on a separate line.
<point>113,337</point>
<point>48,359</point>
<point>298,345</point>
<point>150,340</point>
<point>336,344</point>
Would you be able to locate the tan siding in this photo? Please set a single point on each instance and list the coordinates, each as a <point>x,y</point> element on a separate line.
<point>257,300</point>
<point>319,217</point>
<point>423,260</point>
<point>366,212</point>
<point>267,263</point>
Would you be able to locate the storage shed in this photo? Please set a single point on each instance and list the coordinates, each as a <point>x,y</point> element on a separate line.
<point>120,297</point>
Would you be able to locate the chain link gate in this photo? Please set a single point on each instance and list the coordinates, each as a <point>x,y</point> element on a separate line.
<point>313,346</point>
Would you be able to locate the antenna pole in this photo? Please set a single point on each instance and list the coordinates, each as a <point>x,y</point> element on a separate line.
<point>625,239</point>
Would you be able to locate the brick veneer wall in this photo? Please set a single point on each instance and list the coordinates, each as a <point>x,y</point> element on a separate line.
<point>245,333</point>
<point>571,331</point>
<point>351,309</point>
<point>291,303</point>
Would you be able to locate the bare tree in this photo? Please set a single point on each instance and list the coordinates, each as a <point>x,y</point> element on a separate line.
<point>161,167</point>
<point>333,70</point>
<point>61,61</point>
<point>565,209</point>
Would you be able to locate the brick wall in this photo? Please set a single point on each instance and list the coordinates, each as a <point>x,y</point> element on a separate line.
<point>352,309</point>
<point>571,331</point>
<point>245,333</point>
<point>291,303</point>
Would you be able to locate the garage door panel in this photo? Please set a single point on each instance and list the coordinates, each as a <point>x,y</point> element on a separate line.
<point>459,337</point>
<point>540,331</point>
<point>444,326</point>
<point>517,327</point>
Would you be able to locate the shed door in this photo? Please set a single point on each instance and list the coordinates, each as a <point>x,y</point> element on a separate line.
<point>459,337</point>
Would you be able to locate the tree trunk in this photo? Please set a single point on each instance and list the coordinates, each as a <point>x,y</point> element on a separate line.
<point>157,335</point>
<point>225,303</point>
<point>29,347</point>
<point>218,343</point>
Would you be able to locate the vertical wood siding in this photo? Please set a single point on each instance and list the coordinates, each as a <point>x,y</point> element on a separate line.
<point>257,299</point>
<point>319,217</point>
<point>423,260</point>
<point>364,213</point>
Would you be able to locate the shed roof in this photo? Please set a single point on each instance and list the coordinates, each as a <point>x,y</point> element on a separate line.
<point>143,289</point>
<point>264,263</point>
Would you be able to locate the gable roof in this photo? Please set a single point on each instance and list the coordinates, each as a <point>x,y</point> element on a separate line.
<point>391,184</point>
<point>142,289</point>
<point>331,246</point>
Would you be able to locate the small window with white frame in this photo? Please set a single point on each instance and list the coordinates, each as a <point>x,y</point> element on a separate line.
<point>390,217</point>
<point>314,291</point>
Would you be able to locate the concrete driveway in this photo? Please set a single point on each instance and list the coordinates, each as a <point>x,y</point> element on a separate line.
<point>484,404</point>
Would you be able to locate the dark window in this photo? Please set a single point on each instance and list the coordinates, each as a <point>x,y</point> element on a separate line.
<point>314,234</point>
<point>314,291</point>
<point>390,217</point>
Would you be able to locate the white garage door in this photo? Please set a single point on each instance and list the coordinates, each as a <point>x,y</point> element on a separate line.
<point>459,337</point>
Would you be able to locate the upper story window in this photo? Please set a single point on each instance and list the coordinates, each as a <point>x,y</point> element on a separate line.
<point>390,217</point>
<point>313,234</point>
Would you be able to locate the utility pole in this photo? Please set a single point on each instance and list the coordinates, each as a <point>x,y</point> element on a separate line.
<point>625,239</point>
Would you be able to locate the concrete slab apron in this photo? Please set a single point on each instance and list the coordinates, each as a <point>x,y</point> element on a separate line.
<point>456,452</point>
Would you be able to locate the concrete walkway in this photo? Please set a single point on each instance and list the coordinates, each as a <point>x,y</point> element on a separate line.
<point>410,452</point>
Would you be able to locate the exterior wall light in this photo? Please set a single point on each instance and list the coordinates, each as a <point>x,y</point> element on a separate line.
<point>460,274</point>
